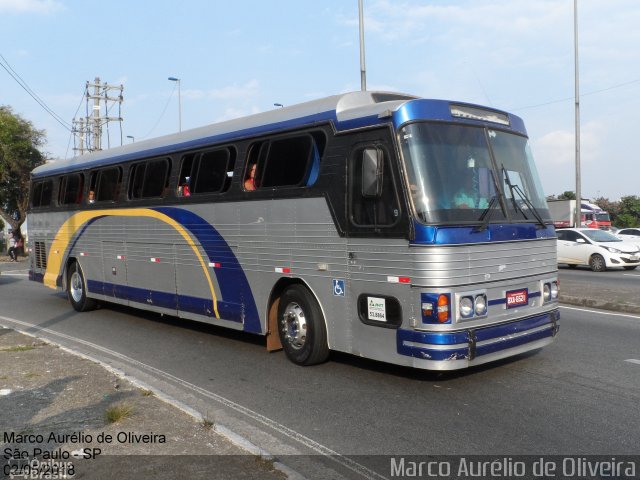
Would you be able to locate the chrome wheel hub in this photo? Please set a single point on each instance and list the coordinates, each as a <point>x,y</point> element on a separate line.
<point>294,325</point>
<point>75,286</point>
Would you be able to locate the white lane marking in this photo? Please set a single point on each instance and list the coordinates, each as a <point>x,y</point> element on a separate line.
<point>288,432</point>
<point>15,273</point>
<point>633,360</point>
<point>632,275</point>
<point>601,312</point>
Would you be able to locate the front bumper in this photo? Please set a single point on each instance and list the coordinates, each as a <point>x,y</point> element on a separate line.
<point>465,348</point>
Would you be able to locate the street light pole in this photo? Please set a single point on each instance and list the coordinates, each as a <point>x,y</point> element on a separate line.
<point>578,212</point>
<point>177,80</point>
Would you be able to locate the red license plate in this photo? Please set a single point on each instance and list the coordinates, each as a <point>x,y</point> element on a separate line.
<point>517,298</point>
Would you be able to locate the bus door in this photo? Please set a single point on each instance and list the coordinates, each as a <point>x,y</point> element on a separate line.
<point>377,232</point>
<point>114,266</point>
<point>151,274</point>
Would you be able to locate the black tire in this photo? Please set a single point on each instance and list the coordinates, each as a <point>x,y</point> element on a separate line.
<point>597,263</point>
<point>77,290</point>
<point>301,327</point>
<point>630,268</point>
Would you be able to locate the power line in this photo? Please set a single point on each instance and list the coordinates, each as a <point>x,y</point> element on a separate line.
<point>20,81</point>
<point>593,92</point>
<point>162,113</point>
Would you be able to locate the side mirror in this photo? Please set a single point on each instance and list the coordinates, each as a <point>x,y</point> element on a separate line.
<point>372,165</point>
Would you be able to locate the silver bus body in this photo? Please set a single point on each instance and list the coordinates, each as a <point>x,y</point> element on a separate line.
<point>228,258</point>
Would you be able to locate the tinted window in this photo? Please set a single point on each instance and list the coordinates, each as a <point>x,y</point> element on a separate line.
<point>149,179</point>
<point>213,172</point>
<point>286,162</point>
<point>41,193</point>
<point>106,184</point>
<point>70,191</point>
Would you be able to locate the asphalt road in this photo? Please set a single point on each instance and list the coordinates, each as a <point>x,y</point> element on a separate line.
<point>578,396</point>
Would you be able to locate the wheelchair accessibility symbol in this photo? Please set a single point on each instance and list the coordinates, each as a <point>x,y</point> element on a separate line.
<point>338,287</point>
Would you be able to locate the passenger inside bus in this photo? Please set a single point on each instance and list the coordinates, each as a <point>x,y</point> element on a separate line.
<point>468,194</point>
<point>184,190</point>
<point>250,180</point>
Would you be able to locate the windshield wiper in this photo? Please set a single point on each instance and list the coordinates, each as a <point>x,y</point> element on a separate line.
<point>521,194</point>
<point>486,214</point>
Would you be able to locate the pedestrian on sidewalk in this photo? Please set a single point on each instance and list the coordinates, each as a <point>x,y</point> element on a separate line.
<point>13,246</point>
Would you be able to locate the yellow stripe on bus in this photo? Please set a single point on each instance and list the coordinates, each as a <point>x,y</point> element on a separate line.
<point>69,229</point>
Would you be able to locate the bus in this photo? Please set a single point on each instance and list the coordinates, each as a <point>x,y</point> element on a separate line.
<point>387,226</point>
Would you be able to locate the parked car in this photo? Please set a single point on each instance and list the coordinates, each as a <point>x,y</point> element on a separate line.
<point>596,248</point>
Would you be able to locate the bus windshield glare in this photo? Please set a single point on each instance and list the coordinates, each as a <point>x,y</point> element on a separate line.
<point>458,173</point>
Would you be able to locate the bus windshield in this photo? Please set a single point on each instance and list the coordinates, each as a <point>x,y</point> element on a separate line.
<point>453,179</point>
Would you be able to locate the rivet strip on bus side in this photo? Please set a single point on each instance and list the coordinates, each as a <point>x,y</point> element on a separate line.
<point>283,270</point>
<point>392,279</point>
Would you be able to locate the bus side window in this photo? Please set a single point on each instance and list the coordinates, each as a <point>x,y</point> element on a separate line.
<point>211,171</point>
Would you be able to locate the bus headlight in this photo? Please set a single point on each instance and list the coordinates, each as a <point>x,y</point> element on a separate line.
<point>466,307</point>
<point>480,304</point>
<point>550,291</point>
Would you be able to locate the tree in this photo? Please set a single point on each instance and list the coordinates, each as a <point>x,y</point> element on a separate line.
<point>568,195</point>
<point>20,153</point>
<point>629,211</point>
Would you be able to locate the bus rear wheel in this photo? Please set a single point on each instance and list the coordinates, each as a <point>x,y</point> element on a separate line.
<point>77,290</point>
<point>301,327</point>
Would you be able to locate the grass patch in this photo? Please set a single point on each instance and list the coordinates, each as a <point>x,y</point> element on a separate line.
<point>146,393</point>
<point>266,463</point>
<point>31,375</point>
<point>17,348</point>
<point>207,422</point>
<point>118,412</point>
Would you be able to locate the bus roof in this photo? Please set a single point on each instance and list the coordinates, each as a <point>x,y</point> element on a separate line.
<point>345,111</point>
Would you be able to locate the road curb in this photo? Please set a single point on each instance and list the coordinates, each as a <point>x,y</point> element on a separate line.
<point>599,304</point>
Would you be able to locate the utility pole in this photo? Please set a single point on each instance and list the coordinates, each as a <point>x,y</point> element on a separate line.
<point>363,71</point>
<point>88,130</point>
<point>578,212</point>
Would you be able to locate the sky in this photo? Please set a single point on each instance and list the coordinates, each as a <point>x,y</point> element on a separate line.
<point>241,57</point>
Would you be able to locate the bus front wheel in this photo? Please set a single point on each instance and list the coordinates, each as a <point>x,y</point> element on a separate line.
<point>301,327</point>
<point>77,290</point>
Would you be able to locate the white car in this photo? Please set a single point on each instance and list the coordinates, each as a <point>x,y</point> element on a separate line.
<point>596,248</point>
<point>631,235</point>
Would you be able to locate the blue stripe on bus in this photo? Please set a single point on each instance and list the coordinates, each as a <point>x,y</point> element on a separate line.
<point>500,333</point>
<point>232,281</point>
<point>168,300</point>
<point>495,232</point>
